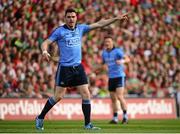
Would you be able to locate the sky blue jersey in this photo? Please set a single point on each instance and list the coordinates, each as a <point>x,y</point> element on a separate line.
<point>109,58</point>
<point>69,43</point>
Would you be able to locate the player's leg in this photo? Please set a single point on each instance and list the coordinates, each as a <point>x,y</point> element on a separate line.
<point>81,82</point>
<point>86,106</point>
<point>115,107</point>
<point>114,100</point>
<point>58,95</point>
<point>120,96</point>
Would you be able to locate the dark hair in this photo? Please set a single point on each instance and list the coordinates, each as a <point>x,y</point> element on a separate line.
<point>108,36</point>
<point>70,10</point>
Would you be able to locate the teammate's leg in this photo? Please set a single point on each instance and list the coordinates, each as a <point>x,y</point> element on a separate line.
<point>112,83</point>
<point>120,96</point>
<point>115,107</point>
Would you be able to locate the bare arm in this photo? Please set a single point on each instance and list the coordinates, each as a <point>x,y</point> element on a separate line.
<point>45,44</point>
<point>55,58</point>
<point>103,23</point>
<point>101,68</point>
<point>44,48</point>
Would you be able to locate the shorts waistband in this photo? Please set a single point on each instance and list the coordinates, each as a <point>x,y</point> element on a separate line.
<point>71,67</point>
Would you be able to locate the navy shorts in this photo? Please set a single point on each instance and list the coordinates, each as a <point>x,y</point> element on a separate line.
<point>70,76</point>
<point>115,83</point>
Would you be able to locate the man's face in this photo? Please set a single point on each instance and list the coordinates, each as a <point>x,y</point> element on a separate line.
<point>71,19</point>
<point>108,43</point>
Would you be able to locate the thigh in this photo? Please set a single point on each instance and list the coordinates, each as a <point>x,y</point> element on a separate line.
<point>120,86</point>
<point>120,91</point>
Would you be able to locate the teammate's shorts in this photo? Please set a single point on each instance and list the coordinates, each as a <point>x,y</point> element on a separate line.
<point>114,83</point>
<point>70,76</point>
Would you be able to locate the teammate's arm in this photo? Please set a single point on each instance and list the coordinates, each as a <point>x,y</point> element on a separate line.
<point>103,23</point>
<point>125,60</point>
<point>102,65</point>
<point>44,48</point>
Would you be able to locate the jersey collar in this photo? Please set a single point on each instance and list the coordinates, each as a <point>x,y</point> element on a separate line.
<point>66,27</point>
<point>111,49</point>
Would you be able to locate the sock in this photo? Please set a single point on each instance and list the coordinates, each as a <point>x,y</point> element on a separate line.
<point>115,116</point>
<point>86,108</point>
<point>125,114</point>
<point>49,104</point>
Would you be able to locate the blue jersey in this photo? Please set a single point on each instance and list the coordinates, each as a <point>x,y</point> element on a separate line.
<point>110,57</point>
<point>69,43</point>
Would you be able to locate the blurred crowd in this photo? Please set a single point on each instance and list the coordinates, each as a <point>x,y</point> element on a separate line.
<point>151,38</point>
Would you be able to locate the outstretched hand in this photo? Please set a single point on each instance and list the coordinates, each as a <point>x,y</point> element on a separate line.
<point>124,16</point>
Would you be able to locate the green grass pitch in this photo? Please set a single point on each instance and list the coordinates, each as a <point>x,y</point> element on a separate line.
<point>70,126</point>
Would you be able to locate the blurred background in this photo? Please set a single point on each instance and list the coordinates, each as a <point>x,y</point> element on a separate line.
<point>150,37</point>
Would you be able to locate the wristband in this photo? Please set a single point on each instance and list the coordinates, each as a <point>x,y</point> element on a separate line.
<point>45,52</point>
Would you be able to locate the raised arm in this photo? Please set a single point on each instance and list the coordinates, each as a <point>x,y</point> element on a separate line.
<point>103,23</point>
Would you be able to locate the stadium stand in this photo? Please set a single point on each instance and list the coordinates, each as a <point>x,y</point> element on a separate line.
<point>150,37</point>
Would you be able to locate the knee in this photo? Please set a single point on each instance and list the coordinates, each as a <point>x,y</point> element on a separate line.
<point>121,98</point>
<point>57,98</point>
<point>85,95</point>
<point>113,99</point>
<point>59,94</point>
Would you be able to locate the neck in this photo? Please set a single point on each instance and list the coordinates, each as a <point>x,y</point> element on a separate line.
<point>71,27</point>
<point>109,49</point>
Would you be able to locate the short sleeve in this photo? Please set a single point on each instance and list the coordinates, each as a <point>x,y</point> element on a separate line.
<point>120,53</point>
<point>85,28</point>
<point>54,35</point>
<point>103,57</point>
